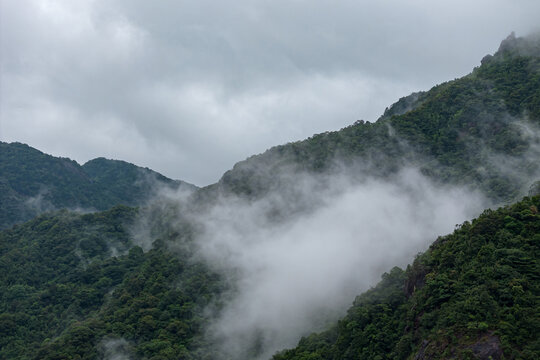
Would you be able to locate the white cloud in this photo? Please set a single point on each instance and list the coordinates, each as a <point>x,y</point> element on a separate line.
<point>294,277</point>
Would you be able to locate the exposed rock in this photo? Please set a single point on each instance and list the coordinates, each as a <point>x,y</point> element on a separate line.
<point>416,279</point>
<point>421,354</point>
<point>534,189</point>
<point>487,348</point>
<point>509,44</point>
<point>522,46</point>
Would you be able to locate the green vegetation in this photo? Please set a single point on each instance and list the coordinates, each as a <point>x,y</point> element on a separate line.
<point>32,182</point>
<point>63,294</point>
<point>469,131</point>
<point>77,286</point>
<point>474,293</point>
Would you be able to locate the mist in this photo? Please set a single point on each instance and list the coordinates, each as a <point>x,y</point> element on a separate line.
<point>297,275</point>
<point>295,258</point>
<point>115,349</point>
<point>523,169</point>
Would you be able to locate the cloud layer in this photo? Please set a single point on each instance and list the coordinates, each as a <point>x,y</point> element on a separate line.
<point>189,88</point>
<point>294,277</point>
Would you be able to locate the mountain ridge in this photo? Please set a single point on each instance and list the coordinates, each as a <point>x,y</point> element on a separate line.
<point>157,302</point>
<point>471,295</point>
<point>33,182</point>
<point>449,132</point>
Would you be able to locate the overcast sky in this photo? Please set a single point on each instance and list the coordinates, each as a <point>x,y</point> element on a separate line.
<point>188,88</point>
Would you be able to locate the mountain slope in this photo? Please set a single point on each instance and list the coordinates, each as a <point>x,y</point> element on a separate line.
<point>77,286</point>
<point>73,285</point>
<point>481,131</point>
<point>32,182</point>
<point>473,294</point>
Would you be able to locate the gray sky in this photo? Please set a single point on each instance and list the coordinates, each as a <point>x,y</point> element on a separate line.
<point>188,88</point>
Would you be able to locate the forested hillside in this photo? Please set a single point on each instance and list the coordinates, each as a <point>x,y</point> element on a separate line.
<point>129,282</point>
<point>481,131</point>
<point>32,182</point>
<point>473,294</point>
<point>74,285</point>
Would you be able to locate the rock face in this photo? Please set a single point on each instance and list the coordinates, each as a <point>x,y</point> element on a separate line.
<point>487,348</point>
<point>421,353</point>
<point>509,43</point>
<point>523,46</point>
<point>416,280</point>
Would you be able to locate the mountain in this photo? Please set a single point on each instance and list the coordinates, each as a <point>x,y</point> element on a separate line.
<point>481,131</point>
<point>131,282</point>
<point>72,285</point>
<point>32,182</point>
<point>472,295</point>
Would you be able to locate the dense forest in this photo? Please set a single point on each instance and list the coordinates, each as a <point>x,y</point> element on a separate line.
<point>480,130</point>
<point>472,294</point>
<point>89,285</point>
<point>32,182</point>
<point>72,282</point>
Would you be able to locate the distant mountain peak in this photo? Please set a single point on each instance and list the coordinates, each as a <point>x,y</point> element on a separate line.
<point>522,46</point>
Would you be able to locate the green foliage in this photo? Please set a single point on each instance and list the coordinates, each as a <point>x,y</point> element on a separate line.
<point>63,292</point>
<point>76,287</point>
<point>476,285</point>
<point>32,182</point>
<point>467,131</point>
<point>119,182</point>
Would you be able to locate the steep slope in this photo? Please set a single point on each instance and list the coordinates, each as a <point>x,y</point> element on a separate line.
<point>76,286</point>
<point>481,130</point>
<point>71,289</point>
<point>32,182</point>
<point>125,183</point>
<point>473,295</point>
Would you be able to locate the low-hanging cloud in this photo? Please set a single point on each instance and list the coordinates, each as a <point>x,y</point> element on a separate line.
<point>115,349</point>
<point>295,276</point>
<point>296,256</point>
<point>524,168</point>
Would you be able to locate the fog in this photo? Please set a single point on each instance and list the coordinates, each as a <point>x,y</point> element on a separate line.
<point>523,169</point>
<point>296,257</point>
<point>115,349</point>
<point>295,276</point>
